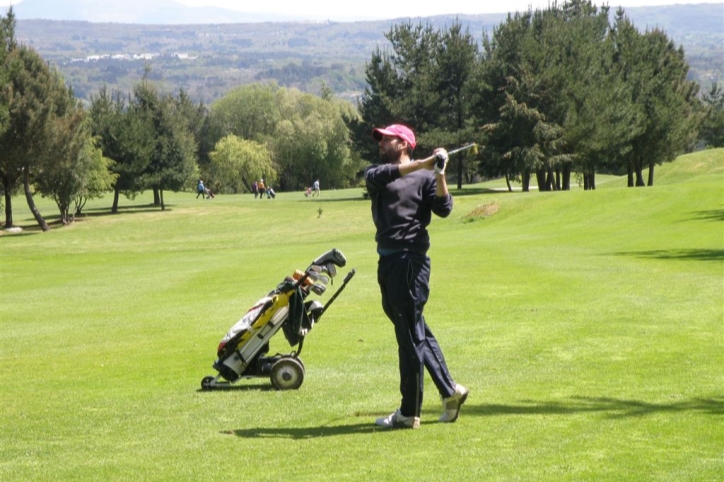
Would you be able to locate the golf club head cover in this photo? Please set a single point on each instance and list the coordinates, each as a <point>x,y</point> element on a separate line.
<point>333,256</point>
<point>441,158</point>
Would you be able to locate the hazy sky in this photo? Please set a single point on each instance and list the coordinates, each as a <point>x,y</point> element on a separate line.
<point>384,9</point>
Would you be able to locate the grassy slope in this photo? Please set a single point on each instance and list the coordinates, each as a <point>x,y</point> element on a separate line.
<point>588,325</point>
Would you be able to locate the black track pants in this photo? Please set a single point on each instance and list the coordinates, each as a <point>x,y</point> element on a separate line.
<point>404,282</point>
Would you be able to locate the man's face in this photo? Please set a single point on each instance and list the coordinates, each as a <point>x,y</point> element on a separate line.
<point>391,148</point>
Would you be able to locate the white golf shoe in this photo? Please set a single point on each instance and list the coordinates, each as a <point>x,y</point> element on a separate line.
<point>397,420</point>
<point>451,405</point>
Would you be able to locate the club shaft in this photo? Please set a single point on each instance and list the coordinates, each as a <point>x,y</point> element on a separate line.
<point>459,149</point>
<point>454,151</point>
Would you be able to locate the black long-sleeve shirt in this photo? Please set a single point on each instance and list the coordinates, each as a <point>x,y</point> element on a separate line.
<point>402,207</point>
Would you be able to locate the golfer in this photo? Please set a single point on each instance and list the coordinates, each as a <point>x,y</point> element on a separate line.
<point>404,195</point>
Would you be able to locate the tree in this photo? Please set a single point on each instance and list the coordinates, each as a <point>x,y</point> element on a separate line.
<point>667,119</point>
<point>563,89</point>
<point>413,57</point>
<point>524,125</point>
<point>124,136</point>
<point>236,163</point>
<point>7,170</point>
<point>7,44</point>
<point>98,175</point>
<point>500,52</point>
<point>456,56</point>
<point>172,162</point>
<point>32,99</point>
<point>313,143</point>
<point>426,81</point>
<point>589,105</point>
<point>308,136</point>
<point>712,128</point>
<point>374,108</point>
<point>250,112</point>
<point>196,118</point>
<point>63,172</point>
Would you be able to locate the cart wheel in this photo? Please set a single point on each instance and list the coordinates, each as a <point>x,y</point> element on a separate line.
<point>287,374</point>
<point>206,383</point>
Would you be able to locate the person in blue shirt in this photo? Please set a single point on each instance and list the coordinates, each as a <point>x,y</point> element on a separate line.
<point>404,194</point>
<point>201,190</point>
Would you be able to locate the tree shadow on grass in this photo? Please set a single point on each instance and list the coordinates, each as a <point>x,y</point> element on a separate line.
<point>609,407</point>
<point>100,212</point>
<point>31,227</point>
<point>710,215</point>
<point>474,191</point>
<point>678,254</point>
<point>303,432</point>
<point>331,200</point>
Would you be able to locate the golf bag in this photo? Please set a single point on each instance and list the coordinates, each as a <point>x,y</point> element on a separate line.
<point>243,352</point>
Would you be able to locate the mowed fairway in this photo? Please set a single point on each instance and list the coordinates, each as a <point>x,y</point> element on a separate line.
<point>589,327</point>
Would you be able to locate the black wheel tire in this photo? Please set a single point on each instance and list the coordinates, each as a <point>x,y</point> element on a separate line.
<point>287,374</point>
<point>206,383</point>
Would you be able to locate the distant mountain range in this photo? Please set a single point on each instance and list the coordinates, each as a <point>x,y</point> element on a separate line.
<point>208,52</point>
<point>159,12</point>
<point>169,12</point>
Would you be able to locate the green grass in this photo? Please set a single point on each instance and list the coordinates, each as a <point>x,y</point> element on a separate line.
<point>589,327</point>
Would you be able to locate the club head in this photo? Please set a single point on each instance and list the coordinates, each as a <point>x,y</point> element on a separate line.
<point>318,289</point>
<point>328,268</point>
<point>323,279</point>
<point>334,256</point>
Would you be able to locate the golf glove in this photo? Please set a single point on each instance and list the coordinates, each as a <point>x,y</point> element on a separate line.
<point>440,161</point>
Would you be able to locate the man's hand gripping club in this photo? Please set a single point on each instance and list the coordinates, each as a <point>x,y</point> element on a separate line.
<point>441,159</point>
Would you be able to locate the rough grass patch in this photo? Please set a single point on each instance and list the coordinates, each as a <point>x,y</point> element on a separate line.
<point>482,212</point>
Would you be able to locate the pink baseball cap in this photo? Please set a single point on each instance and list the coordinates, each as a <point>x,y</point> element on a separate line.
<point>396,130</point>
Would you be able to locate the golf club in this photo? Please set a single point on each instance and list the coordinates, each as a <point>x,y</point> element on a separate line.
<point>319,289</point>
<point>450,153</point>
<point>328,268</point>
<point>460,149</point>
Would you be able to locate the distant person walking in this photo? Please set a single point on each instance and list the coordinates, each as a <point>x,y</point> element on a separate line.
<point>262,188</point>
<point>201,190</point>
<point>255,189</point>
<point>315,188</point>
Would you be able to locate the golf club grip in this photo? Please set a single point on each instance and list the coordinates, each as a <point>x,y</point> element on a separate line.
<point>336,293</point>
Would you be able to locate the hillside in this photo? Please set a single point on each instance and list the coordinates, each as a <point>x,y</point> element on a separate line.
<point>209,59</point>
